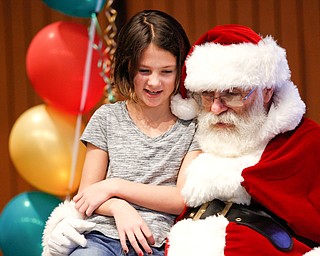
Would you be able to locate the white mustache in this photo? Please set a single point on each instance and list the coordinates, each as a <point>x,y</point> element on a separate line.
<point>226,118</point>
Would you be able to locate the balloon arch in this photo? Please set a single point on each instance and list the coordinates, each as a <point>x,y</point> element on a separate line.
<point>67,64</point>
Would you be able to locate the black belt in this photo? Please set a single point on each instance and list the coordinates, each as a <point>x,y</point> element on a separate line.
<point>249,216</point>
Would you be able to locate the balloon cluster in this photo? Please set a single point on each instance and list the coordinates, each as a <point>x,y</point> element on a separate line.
<point>62,64</point>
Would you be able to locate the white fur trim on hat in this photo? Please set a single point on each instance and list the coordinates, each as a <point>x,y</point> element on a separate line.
<point>185,109</point>
<point>219,67</point>
<point>285,113</point>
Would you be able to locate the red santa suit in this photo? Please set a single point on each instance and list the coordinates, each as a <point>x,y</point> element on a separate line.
<point>281,174</point>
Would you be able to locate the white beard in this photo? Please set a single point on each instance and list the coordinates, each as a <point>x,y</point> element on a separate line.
<point>239,139</point>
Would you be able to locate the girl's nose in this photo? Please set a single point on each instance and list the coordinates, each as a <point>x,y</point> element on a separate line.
<point>154,80</point>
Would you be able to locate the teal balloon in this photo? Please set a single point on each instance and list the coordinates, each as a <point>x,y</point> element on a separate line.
<point>77,8</point>
<point>22,222</point>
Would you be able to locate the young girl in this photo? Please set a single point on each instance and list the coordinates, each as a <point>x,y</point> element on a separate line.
<point>137,150</point>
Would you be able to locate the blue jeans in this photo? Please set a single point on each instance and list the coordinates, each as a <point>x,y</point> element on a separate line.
<point>101,245</point>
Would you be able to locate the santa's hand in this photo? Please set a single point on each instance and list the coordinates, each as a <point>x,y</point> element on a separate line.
<point>67,235</point>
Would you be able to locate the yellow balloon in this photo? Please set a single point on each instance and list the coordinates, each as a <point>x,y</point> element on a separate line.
<point>41,146</point>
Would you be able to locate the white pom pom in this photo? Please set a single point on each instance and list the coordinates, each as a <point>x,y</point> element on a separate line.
<point>185,109</point>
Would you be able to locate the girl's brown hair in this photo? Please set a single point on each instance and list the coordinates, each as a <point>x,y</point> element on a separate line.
<point>148,26</point>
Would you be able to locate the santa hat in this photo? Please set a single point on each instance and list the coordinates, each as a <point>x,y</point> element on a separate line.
<point>226,57</point>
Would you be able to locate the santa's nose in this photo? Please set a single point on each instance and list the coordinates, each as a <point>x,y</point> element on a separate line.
<point>217,106</point>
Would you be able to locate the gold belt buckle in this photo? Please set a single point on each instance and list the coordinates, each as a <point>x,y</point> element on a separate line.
<point>226,209</point>
<point>204,207</point>
<point>201,211</point>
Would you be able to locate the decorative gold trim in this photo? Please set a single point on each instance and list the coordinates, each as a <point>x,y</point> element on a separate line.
<point>201,211</point>
<point>225,209</point>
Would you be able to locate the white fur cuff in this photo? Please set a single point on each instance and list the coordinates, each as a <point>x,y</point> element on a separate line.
<point>314,252</point>
<point>210,177</point>
<point>63,210</point>
<point>190,238</point>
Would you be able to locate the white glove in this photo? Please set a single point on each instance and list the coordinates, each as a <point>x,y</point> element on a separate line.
<point>67,235</point>
<point>63,230</point>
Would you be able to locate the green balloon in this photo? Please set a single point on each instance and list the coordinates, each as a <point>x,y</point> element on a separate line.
<point>78,8</point>
<point>22,222</point>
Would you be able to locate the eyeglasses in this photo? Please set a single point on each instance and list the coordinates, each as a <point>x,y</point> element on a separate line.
<point>228,98</point>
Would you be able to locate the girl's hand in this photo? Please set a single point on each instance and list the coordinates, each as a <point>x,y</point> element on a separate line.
<point>90,198</point>
<point>130,225</point>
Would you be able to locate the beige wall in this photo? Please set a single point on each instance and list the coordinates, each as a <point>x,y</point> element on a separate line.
<point>294,23</point>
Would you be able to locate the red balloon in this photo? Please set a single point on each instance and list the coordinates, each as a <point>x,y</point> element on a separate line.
<point>55,65</point>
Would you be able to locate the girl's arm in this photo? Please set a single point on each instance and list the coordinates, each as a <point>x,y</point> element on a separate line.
<point>94,167</point>
<point>129,223</point>
<point>160,198</point>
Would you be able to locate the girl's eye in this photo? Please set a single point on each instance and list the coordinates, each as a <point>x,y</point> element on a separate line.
<point>167,71</point>
<point>143,70</point>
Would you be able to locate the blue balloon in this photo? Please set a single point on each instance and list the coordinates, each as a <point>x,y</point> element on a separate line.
<point>22,223</point>
<point>78,8</point>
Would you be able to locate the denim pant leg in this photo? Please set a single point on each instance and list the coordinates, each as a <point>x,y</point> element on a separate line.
<point>158,251</point>
<point>155,251</point>
<point>99,245</point>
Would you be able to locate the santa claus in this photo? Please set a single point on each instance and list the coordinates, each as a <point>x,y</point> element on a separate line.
<point>255,189</point>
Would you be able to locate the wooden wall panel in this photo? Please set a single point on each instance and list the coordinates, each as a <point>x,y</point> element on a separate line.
<point>311,37</point>
<point>265,21</point>
<point>245,13</point>
<point>5,170</point>
<point>295,24</point>
<point>290,38</point>
<point>21,92</point>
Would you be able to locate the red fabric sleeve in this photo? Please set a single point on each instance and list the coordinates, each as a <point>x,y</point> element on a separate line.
<point>287,179</point>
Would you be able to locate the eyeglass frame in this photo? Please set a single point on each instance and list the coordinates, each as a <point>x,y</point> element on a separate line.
<point>225,102</point>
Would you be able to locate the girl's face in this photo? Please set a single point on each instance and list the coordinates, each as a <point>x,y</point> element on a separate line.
<point>155,79</point>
